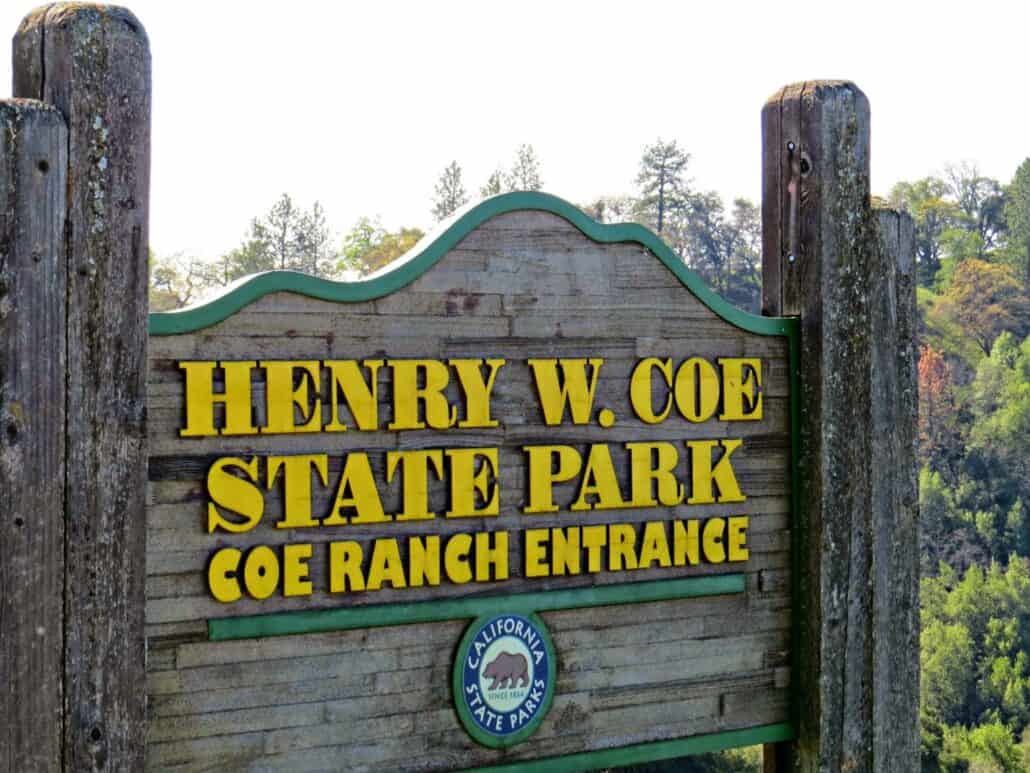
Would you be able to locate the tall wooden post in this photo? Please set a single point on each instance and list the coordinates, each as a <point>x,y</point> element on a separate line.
<point>847,273</point>
<point>92,62</point>
<point>33,159</point>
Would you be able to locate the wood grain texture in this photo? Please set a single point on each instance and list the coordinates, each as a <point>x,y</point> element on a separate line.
<point>555,250</point>
<point>291,701</point>
<point>524,284</point>
<point>895,498</point>
<point>92,62</point>
<point>856,590</point>
<point>33,161</point>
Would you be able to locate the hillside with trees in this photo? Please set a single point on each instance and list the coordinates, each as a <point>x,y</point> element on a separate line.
<point>973,253</point>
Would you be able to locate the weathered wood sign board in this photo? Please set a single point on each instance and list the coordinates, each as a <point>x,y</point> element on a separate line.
<point>525,495</point>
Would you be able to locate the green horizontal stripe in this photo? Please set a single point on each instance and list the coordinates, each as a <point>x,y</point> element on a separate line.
<point>428,252</point>
<point>321,620</point>
<point>650,752</point>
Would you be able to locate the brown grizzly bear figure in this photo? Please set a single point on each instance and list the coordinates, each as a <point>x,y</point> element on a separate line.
<point>509,668</point>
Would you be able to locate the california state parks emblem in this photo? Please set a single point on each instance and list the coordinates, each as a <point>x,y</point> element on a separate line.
<point>504,678</point>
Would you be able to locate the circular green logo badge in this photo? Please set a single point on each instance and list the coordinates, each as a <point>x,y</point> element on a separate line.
<point>504,678</point>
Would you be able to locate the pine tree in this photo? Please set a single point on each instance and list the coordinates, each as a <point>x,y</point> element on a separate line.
<point>525,173</point>
<point>450,192</point>
<point>663,184</point>
<point>1017,214</point>
<point>494,184</point>
<point>286,238</point>
<point>279,229</point>
<point>313,241</point>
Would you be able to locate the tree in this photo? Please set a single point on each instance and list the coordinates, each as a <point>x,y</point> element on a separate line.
<point>450,192</point>
<point>946,671</point>
<point>1017,215</point>
<point>984,300</point>
<point>938,438</point>
<point>177,281</point>
<point>368,247</point>
<point>744,284</point>
<point>278,232</point>
<point>709,240</point>
<point>287,237</point>
<point>989,747</point>
<point>313,242</point>
<point>981,201</point>
<point>525,172</point>
<point>389,248</point>
<point>932,214</point>
<point>974,685</point>
<point>662,182</point>
<point>358,241</point>
<point>1000,432</point>
<point>494,184</point>
<point>611,209</point>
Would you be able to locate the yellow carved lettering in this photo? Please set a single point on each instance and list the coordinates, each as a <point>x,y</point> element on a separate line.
<point>569,389</point>
<point>238,495</point>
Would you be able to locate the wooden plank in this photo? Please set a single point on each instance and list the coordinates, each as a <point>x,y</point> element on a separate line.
<point>33,169</point>
<point>96,61</point>
<point>608,692</point>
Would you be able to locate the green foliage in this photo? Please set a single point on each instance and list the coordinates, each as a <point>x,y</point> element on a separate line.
<point>494,184</point>
<point>958,216</point>
<point>287,237</point>
<point>943,334</point>
<point>612,209</point>
<point>524,175</point>
<point>933,214</point>
<point>177,281</point>
<point>975,683</point>
<point>1000,405</point>
<point>946,660</point>
<point>359,241</point>
<point>525,172</point>
<point>747,760</point>
<point>984,300</point>
<point>724,250</point>
<point>981,201</point>
<point>450,192</point>
<point>1017,216</point>
<point>663,185</point>
<point>368,247</point>
<point>987,747</point>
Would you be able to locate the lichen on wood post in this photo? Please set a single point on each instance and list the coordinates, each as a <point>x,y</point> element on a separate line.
<point>824,261</point>
<point>93,63</point>
<point>896,738</point>
<point>33,147</point>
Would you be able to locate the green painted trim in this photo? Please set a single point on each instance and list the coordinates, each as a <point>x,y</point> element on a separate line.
<point>650,752</point>
<point>323,620</point>
<point>428,252</point>
<point>478,734</point>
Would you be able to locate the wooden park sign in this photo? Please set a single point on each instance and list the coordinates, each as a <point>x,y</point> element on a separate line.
<point>534,422</point>
<point>533,497</point>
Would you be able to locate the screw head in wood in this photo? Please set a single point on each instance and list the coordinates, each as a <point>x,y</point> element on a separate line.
<point>791,258</point>
<point>790,147</point>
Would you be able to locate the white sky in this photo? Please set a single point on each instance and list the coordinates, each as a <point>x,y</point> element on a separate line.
<point>360,105</point>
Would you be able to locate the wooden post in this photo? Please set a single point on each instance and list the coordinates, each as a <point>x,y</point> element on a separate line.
<point>92,62</point>
<point>33,158</point>
<point>824,260</point>
<point>895,381</point>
